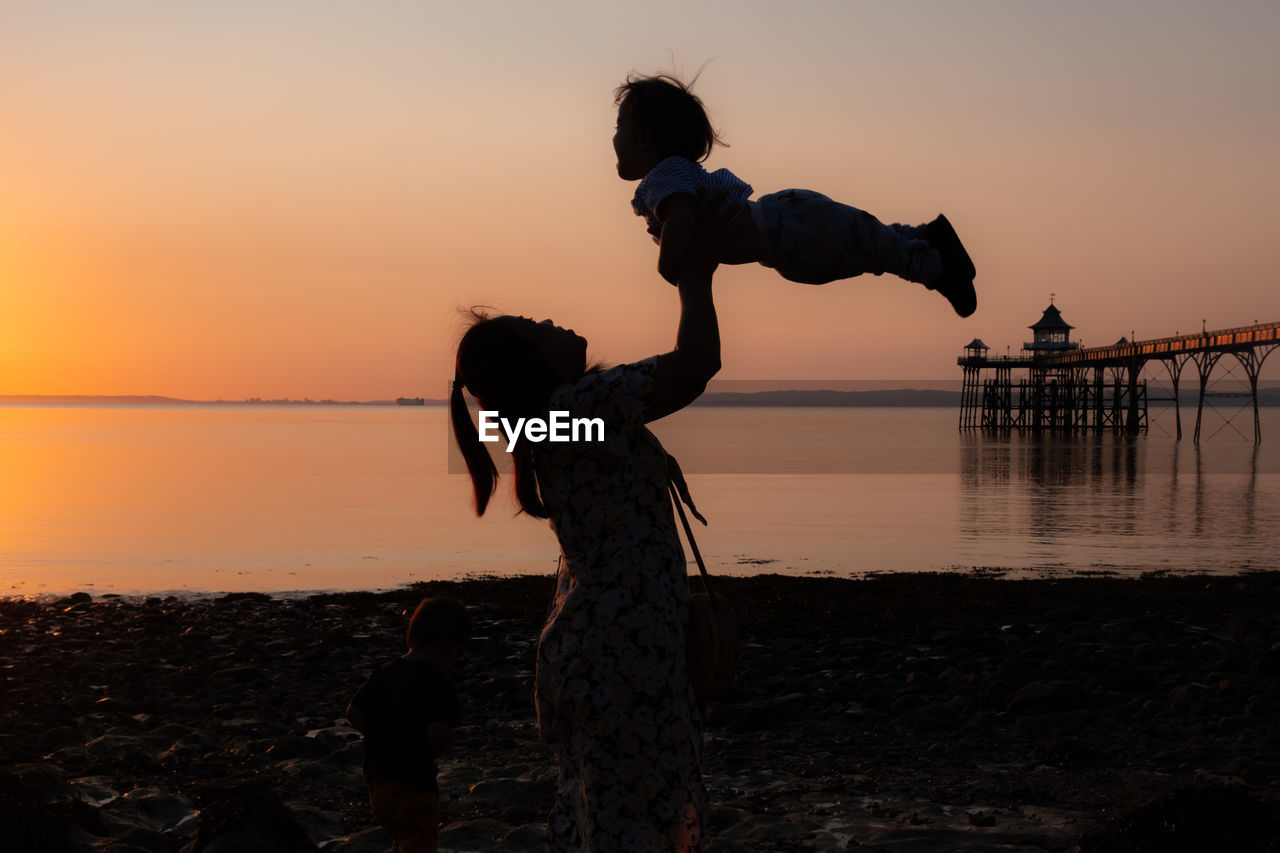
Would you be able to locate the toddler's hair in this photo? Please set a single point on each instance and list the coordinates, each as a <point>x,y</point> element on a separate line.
<point>672,114</point>
<point>438,620</point>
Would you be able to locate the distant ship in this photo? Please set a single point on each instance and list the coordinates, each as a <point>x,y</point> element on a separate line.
<point>410,401</point>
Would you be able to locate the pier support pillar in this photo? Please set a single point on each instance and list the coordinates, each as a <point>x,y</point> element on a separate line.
<point>1132,423</point>
<point>1204,366</point>
<point>1174,367</point>
<point>1251,360</point>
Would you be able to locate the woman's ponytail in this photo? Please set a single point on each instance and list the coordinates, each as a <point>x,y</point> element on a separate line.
<point>484,474</point>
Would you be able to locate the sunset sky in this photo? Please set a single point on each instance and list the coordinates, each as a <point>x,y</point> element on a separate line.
<point>292,199</point>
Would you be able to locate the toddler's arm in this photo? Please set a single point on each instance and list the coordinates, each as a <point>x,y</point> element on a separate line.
<point>678,221</point>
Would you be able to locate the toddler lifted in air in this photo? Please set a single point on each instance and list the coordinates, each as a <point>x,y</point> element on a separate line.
<point>662,136</point>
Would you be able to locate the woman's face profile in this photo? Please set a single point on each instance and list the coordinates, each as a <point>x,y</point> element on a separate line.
<point>565,352</point>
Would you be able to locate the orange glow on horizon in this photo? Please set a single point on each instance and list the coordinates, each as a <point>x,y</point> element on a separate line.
<point>293,202</point>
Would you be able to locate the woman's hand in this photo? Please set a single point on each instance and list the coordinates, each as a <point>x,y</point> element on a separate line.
<point>700,237</point>
<point>682,374</point>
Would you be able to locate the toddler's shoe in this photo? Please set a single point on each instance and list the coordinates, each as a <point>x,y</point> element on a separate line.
<point>956,280</point>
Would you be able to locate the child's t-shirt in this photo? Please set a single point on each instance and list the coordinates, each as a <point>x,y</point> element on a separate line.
<point>400,701</point>
<point>677,175</point>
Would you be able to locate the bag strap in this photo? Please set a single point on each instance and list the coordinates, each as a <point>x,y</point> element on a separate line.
<point>679,490</point>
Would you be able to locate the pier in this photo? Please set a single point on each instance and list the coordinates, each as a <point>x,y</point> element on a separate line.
<point>1055,385</point>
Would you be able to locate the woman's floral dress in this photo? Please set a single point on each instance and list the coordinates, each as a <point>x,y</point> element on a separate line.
<point>612,688</point>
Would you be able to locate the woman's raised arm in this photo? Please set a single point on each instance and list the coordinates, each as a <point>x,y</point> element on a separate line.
<point>682,374</point>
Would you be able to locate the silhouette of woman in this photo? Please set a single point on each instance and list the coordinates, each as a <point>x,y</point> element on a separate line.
<point>612,691</point>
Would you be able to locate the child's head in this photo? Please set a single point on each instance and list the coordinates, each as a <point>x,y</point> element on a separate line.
<point>442,621</point>
<point>669,112</point>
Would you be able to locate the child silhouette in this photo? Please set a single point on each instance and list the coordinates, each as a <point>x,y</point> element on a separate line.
<point>662,136</point>
<point>407,711</point>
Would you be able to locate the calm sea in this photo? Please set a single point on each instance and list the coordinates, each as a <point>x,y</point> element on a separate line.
<point>156,499</point>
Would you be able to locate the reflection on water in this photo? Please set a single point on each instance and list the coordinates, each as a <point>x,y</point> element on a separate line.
<point>1111,502</point>
<point>155,498</point>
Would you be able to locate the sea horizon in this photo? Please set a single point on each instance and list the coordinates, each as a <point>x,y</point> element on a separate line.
<point>925,393</point>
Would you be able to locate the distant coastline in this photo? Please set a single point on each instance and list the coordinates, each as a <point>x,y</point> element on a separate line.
<point>886,398</point>
<point>156,400</point>
<point>921,398</point>
<point>889,397</point>
<point>823,398</point>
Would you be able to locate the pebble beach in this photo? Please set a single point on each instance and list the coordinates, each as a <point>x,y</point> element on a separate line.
<point>903,712</point>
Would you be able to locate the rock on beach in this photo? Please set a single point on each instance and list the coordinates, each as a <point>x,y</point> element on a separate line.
<point>902,712</point>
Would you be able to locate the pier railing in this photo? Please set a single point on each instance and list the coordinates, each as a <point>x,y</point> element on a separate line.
<point>1224,339</point>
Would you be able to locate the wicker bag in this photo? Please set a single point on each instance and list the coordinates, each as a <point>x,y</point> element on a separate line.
<point>714,646</point>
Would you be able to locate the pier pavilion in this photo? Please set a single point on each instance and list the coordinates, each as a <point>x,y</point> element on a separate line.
<point>1055,385</point>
